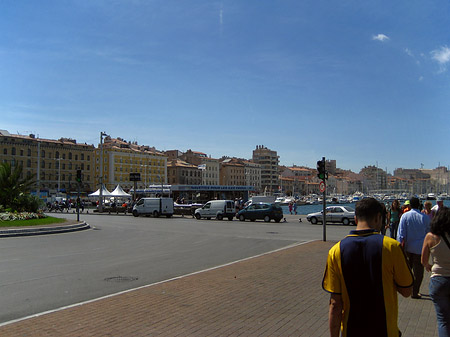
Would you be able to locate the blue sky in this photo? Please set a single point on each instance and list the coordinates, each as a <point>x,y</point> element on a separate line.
<point>361,82</point>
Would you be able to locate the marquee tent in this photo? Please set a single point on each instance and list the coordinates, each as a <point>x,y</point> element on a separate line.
<point>105,193</point>
<point>119,192</point>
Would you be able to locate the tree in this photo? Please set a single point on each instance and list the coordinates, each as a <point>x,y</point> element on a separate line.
<point>14,190</point>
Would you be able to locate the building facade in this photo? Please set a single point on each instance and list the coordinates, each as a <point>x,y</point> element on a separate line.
<point>269,161</point>
<point>232,172</point>
<point>53,163</point>
<point>120,158</point>
<point>183,173</point>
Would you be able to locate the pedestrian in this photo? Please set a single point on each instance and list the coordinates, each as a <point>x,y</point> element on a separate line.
<point>435,209</point>
<point>290,207</point>
<point>412,229</point>
<point>295,207</point>
<point>406,207</point>
<point>427,209</point>
<point>394,218</point>
<point>437,243</point>
<point>364,272</point>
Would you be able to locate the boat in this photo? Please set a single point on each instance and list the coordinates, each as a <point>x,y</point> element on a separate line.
<point>283,201</point>
<point>431,196</point>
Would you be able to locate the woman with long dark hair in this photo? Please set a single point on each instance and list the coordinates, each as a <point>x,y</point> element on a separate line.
<point>437,243</point>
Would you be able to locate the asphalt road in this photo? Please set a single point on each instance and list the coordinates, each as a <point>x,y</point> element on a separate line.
<point>42,273</point>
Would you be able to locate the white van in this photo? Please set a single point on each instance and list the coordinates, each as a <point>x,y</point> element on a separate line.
<point>218,209</point>
<point>154,206</point>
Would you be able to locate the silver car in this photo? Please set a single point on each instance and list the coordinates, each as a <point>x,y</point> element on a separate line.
<point>341,214</point>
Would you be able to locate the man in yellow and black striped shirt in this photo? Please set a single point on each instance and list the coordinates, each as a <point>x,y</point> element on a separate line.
<point>364,272</point>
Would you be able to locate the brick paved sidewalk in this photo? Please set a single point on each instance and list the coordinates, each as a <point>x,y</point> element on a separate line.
<point>278,294</point>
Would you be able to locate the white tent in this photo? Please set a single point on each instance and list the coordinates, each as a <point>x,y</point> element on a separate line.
<point>119,192</point>
<point>105,193</point>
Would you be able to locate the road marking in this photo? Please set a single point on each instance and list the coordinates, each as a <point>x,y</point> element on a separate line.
<point>150,285</point>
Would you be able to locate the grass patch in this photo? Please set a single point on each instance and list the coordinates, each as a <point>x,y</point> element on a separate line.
<point>31,222</point>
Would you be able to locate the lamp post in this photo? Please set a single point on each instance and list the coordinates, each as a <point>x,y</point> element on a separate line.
<point>100,201</point>
<point>59,175</point>
<point>145,176</point>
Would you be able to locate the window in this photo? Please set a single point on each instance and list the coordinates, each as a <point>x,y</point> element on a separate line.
<point>64,156</point>
<point>82,166</point>
<point>28,163</point>
<point>42,153</point>
<point>13,151</point>
<point>70,155</point>
<point>70,165</point>
<point>5,151</point>
<point>82,156</point>
<point>76,157</point>
<point>28,152</point>
<point>43,164</point>
<point>57,154</point>
<point>63,166</point>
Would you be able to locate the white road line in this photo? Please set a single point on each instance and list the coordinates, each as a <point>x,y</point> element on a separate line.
<point>149,285</point>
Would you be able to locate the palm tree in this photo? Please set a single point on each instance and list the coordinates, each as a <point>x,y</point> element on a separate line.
<point>12,186</point>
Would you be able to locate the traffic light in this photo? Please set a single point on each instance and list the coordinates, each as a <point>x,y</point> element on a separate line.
<point>78,176</point>
<point>321,171</point>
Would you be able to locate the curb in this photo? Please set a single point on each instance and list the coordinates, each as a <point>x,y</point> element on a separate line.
<point>43,230</point>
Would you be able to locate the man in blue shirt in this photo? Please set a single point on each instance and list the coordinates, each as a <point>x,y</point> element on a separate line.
<point>412,229</point>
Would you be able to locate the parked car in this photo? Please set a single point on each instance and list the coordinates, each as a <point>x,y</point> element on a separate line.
<point>261,210</point>
<point>218,209</point>
<point>341,214</point>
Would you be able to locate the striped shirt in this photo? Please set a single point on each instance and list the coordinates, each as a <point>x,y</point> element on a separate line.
<point>366,268</point>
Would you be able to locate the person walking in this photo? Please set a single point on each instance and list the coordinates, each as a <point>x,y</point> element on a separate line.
<point>412,229</point>
<point>363,274</point>
<point>394,218</point>
<point>427,209</point>
<point>437,207</point>
<point>437,244</point>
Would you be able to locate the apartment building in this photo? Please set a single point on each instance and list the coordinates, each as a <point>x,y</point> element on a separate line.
<point>232,172</point>
<point>53,163</point>
<point>269,161</point>
<point>210,167</point>
<point>120,158</point>
<point>252,172</point>
<point>183,173</point>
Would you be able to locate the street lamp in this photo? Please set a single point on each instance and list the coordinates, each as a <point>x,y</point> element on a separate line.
<point>59,175</point>
<point>100,201</point>
<point>145,176</point>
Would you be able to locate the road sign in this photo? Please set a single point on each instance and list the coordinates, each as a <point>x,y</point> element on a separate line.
<point>135,176</point>
<point>322,186</point>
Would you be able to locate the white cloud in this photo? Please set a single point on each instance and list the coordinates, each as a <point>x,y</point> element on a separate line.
<point>380,37</point>
<point>442,56</point>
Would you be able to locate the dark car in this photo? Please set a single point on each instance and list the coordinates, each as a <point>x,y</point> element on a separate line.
<point>261,211</point>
